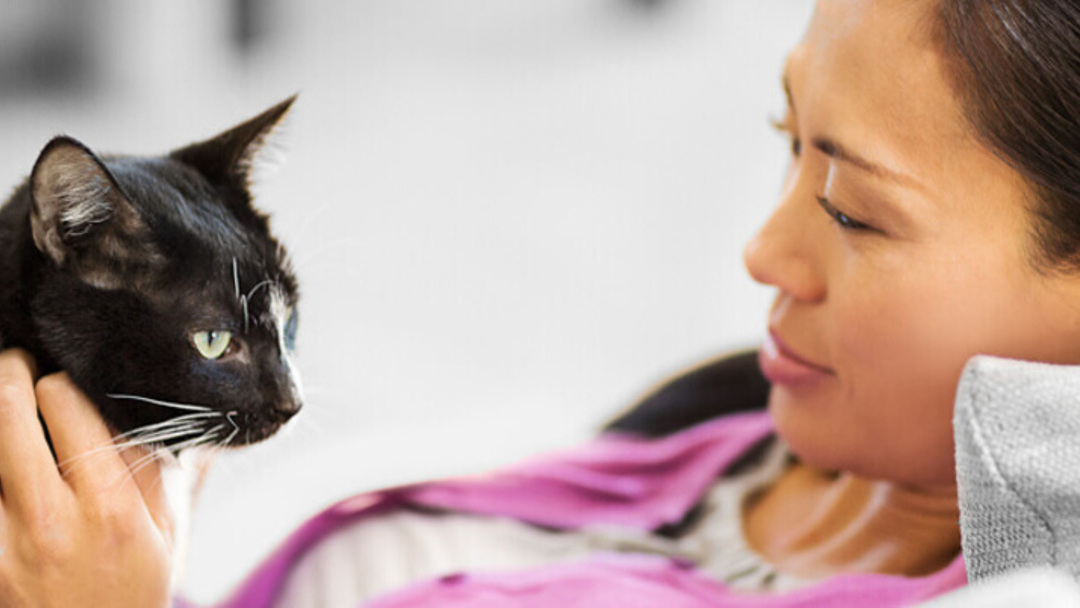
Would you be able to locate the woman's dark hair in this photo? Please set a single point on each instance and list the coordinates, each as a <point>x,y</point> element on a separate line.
<point>1015,65</point>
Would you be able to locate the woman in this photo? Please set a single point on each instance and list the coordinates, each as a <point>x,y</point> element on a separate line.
<point>931,212</point>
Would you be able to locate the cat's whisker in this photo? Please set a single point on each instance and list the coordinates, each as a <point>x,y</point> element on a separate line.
<point>161,437</point>
<point>235,431</point>
<point>179,406</point>
<point>172,428</point>
<point>244,299</point>
<point>229,416</point>
<point>157,432</point>
<point>216,428</point>
<point>211,432</point>
<point>68,464</point>
<point>164,435</point>
<point>236,278</point>
<point>258,286</point>
<point>167,423</point>
<point>142,462</point>
<point>134,468</point>
<point>145,461</point>
<point>120,479</point>
<point>204,437</point>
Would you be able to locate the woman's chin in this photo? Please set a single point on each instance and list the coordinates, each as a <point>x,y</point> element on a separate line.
<point>803,423</point>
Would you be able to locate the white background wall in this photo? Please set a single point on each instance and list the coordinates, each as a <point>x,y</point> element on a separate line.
<point>508,218</point>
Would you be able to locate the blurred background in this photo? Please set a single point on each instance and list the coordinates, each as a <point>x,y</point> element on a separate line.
<point>508,218</point>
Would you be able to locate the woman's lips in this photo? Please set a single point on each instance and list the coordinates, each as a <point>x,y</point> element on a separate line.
<point>782,366</point>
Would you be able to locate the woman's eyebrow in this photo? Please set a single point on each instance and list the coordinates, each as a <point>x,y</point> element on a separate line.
<point>833,149</point>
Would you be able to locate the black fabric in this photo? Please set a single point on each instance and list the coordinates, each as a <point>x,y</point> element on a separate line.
<point>727,385</point>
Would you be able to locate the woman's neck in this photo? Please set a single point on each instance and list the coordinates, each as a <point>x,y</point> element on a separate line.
<point>813,524</point>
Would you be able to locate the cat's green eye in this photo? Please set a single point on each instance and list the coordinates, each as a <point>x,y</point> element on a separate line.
<point>212,344</point>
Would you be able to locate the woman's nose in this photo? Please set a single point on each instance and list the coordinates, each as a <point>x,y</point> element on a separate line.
<point>787,253</point>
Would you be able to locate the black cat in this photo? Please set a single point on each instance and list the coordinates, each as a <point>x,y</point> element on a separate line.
<point>157,286</point>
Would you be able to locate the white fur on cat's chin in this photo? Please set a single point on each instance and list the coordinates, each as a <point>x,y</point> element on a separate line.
<point>180,476</point>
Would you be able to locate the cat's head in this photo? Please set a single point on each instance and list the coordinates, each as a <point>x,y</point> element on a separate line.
<point>163,292</point>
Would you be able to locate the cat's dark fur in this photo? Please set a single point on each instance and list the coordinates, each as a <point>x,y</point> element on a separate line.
<point>110,264</point>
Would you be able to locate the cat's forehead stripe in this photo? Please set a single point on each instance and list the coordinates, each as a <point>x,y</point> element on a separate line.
<point>279,310</point>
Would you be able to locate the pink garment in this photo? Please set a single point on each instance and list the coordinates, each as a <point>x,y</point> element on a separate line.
<point>615,479</point>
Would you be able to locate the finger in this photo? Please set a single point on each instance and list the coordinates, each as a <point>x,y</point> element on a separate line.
<point>25,358</point>
<point>83,444</point>
<point>152,473</point>
<point>26,465</point>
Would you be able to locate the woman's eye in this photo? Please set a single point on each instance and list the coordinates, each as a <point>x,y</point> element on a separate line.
<point>212,344</point>
<point>841,219</point>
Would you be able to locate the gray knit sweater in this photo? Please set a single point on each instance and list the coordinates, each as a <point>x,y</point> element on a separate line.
<point>1018,465</point>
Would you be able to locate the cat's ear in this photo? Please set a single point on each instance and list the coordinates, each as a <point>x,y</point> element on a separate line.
<point>232,156</point>
<point>80,218</point>
<point>72,192</point>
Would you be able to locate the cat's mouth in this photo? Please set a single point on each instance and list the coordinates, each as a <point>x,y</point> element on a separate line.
<point>246,429</point>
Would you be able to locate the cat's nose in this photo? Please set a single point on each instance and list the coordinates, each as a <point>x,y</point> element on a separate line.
<point>288,408</point>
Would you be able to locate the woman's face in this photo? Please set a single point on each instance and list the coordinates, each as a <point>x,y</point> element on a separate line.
<point>899,249</point>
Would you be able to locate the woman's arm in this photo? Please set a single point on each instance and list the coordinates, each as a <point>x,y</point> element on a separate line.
<point>95,531</point>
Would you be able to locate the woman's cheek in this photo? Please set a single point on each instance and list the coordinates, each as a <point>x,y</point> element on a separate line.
<point>866,322</point>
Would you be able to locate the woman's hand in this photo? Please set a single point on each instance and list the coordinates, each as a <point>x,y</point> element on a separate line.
<point>99,533</point>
